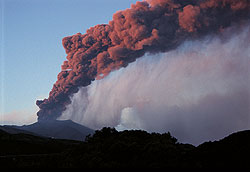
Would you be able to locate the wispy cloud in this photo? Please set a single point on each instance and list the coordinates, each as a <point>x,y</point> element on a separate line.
<point>19,117</point>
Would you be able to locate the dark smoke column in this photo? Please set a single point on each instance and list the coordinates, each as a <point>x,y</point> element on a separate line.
<point>151,26</point>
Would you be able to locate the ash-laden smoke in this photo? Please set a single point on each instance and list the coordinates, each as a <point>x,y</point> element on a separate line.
<point>151,26</point>
<point>199,91</point>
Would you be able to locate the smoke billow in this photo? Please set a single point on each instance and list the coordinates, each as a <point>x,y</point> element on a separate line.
<point>151,26</point>
<point>199,91</point>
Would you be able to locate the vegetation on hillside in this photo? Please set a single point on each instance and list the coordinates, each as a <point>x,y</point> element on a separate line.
<point>110,148</point>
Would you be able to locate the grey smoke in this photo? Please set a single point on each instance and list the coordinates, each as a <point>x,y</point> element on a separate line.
<point>198,92</point>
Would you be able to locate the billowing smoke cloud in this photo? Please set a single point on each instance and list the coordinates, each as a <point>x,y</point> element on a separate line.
<point>151,26</point>
<point>199,91</point>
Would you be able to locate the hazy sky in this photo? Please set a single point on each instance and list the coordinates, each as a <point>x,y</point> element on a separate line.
<point>31,48</point>
<point>198,91</point>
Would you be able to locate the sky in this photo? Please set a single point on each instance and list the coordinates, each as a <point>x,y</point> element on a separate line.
<point>198,90</point>
<point>32,51</point>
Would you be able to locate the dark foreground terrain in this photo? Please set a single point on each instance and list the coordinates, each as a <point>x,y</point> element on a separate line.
<point>110,148</point>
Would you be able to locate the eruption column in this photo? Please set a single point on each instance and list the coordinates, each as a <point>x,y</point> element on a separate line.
<point>151,26</point>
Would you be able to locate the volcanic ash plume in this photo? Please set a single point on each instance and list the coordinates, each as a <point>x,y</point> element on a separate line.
<point>151,26</point>
<point>199,91</point>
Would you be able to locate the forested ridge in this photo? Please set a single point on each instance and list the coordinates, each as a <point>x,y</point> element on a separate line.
<point>108,148</point>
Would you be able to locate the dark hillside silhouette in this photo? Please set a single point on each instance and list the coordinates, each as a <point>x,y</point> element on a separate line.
<point>56,129</point>
<point>135,148</point>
